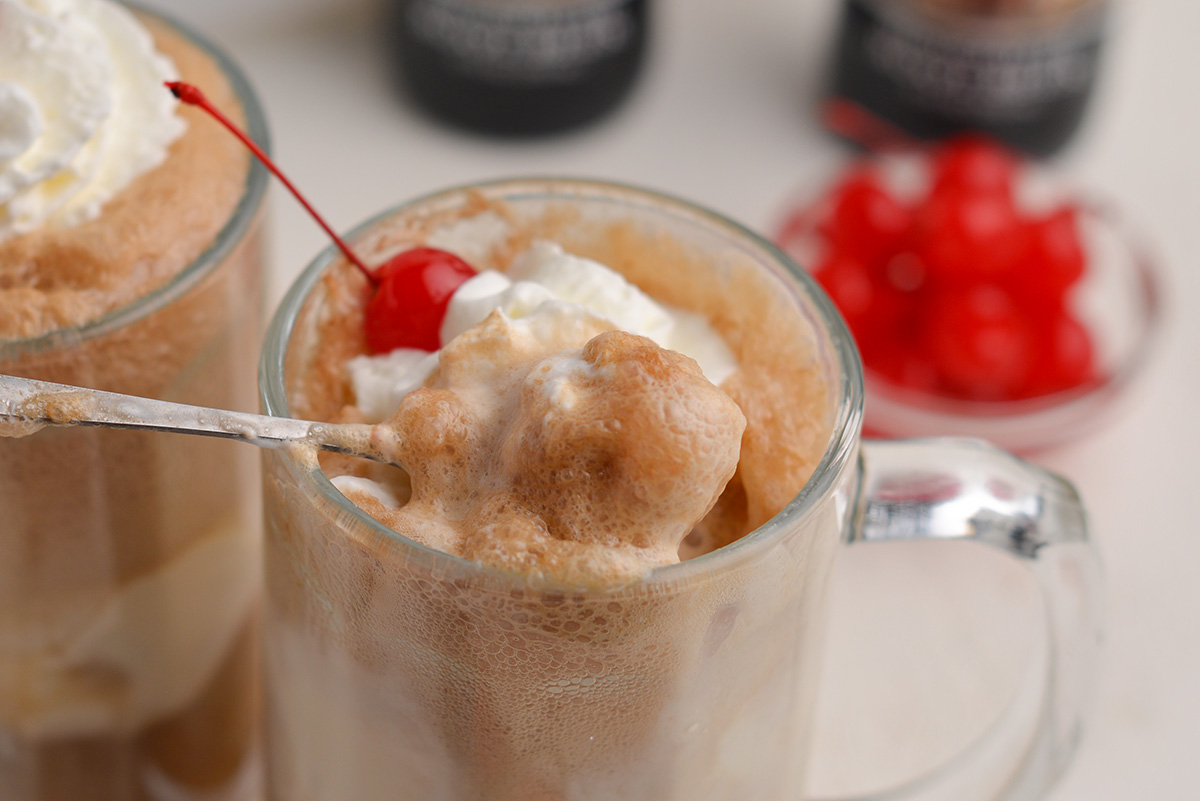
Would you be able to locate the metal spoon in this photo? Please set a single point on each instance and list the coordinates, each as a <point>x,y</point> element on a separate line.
<point>27,405</point>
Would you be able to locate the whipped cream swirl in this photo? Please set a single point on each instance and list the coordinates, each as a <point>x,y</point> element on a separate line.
<point>82,109</point>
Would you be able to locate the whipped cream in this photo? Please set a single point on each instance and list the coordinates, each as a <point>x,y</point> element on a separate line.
<point>83,111</point>
<point>544,275</point>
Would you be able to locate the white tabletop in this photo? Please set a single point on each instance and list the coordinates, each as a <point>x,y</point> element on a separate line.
<point>723,116</point>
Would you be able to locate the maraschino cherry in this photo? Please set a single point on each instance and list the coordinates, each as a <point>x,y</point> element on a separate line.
<point>409,292</point>
<point>414,287</point>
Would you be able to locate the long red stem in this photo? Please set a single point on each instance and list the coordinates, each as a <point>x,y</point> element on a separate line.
<point>187,93</point>
<point>850,120</point>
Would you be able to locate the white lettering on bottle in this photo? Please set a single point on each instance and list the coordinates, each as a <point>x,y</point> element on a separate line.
<point>996,80</point>
<point>533,46</point>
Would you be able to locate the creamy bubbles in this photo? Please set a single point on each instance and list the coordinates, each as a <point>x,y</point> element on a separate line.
<point>549,439</point>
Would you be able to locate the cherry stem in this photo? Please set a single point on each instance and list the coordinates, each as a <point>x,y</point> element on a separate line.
<point>850,120</point>
<point>192,96</point>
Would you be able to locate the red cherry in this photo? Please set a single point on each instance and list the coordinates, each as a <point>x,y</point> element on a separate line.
<point>963,238</point>
<point>976,164</point>
<point>847,282</point>
<point>980,341</point>
<point>903,362</point>
<point>864,219</point>
<point>408,305</point>
<point>1053,259</point>
<point>1066,358</point>
<point>871,309</point>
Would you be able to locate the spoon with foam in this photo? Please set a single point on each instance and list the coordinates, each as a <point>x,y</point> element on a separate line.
<point>27,406</point>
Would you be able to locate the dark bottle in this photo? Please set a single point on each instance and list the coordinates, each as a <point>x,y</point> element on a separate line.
<point>1020,70</point>
<point>518,67</point>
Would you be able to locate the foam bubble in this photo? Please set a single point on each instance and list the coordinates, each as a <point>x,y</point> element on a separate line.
<point>590,463</point>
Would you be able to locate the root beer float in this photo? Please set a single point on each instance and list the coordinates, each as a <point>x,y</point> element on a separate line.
<point>403,663</point>
<point>528,609</point>
<point>494,614</point>
<point>129,563</point>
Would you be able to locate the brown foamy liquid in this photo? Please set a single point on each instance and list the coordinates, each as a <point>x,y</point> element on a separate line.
<point>393,674</point>
<point>557,447</point>
<point>126,634</point>
<point>780,386</point>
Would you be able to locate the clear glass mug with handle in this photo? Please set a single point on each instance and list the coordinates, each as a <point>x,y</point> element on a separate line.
<point>397,671</point>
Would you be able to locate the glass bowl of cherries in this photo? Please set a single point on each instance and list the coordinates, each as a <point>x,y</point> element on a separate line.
<point>985,300</point>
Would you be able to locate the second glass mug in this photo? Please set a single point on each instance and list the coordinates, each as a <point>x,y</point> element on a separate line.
<point>129,573</point>
<point>396,671</point>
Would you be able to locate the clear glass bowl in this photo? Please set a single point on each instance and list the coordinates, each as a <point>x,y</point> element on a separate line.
<point>1119,302</point>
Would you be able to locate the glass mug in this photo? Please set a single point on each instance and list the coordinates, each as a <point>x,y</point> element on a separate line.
<point>396,671</point>
<point>129,561</point>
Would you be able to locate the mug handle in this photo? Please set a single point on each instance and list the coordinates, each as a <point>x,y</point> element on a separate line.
<point>940,489</point>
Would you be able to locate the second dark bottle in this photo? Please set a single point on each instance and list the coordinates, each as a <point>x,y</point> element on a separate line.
<point>1020,70</point>
<point>518,67</point>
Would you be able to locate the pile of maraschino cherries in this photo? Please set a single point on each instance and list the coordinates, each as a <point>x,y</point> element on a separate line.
<point>958,292</point>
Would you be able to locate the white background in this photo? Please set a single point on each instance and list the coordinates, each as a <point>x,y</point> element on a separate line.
<point>924,640</point>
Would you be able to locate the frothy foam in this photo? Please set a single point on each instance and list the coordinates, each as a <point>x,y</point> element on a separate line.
<point>530,453</point>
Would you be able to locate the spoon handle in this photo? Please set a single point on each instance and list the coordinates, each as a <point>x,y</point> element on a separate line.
<point>27,404</point>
